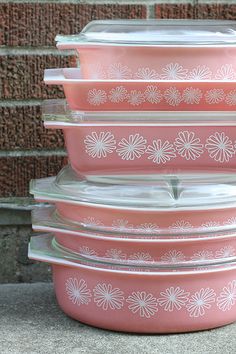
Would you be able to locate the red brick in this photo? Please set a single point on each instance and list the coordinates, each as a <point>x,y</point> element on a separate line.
<point>37,24</point>
<point>21,127</point>
<point>16,172</point>
<point>22,75</point>
<point>173,11</point>
<point>216,11</point>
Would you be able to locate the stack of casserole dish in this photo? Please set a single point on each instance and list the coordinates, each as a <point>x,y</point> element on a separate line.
<point>140,227</point>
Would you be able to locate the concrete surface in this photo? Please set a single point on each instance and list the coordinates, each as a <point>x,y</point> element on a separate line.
<point>31,322</point>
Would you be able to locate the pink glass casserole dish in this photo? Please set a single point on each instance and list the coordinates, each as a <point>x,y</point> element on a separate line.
<point>170,204</point>
<point>141,248</point>
<point>155,49</point>
<point>140,143</point>
<point>143,95</point>
<point>140,299</point>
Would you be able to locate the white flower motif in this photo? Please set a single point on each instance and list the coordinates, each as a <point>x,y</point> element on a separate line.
<point>202,255</point>
<point>99,145</point>
<point>214,96</point>
<point>231,221</point>
<point>173,298</point>
<point>230,98</point>
<point>201,72</point>
<point>121,225</point>
<point>227,298</point>
<point>86,251</point>
<point>78,291</point>
<point>173,257</point>
<point>220,147</point>
<point>146,74</point>
<point>152,94</point>
<point>135,97</point>
<point>117,94</point>
<point>141,257</point>
<point>97,97</point>
<point>226,72</point>
<point>181,226</point>
<point>174,71</point>
<point>172,96</point>
<point>115,254</point>
<point>107,297</point>
<point>200,302</point>
<point>192,95</point>
<point>210,225</point>
<point>225,252</point>
<point>97,72</point>
<point>160,152</point>
<point>90,221</point>
<point>132,148</point>
<point>143,304</point>
<point>188,146</point>
<point>118,71</point>
<point>149,228</point>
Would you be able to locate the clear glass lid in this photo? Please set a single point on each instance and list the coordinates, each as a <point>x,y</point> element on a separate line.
<point>154,32</point>
<point>193,191</point>
<point>57,112</point>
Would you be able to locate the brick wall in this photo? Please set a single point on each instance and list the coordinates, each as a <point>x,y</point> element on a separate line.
<point>27,32</point>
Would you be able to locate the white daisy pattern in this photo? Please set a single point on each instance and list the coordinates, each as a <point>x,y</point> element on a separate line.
<point>149,228</point>
<point>141,257</point>
<point>152,94</point>
<point>201,72</point>
<point>115,254</point>
<point>174,71</point>
<point>188,146</point>
<point>173,298</point>
<point>202,256</point>
<point>86,251</point>
<point>226,72</point>
<point>135,98</point>
<point>227,298</point>
<point>220,147</point>
<point>121,225</point>
<point>117,94</point>
<point>146,74</point>
<point>160,152</point>
<point>181,226</point>
<point>107,297</point>
<point>214,96</point>
<point>97,72</point>
<point>77,291</point>
<point>97,97</point>
<point>143,304</point>
<point>90,221</point>
<point>119,71</point>
<point>200,302</point>
<point>173,96</point>
<point>226,252</point>
<point>192,95</point>
<point>209,225</point>
<point>132,148</point>
<point>231,221</point>
<point>173,256</point>
<point>230,98</point>
<point>99,145</point>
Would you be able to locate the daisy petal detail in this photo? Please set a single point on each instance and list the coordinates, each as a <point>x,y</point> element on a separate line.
<point>107,297</point>
<point>200,302</point>
<point>132,148</point>
<point>202,255</point>
<point>149,228</point>
<point>141,257</point>
<point>214,96</point>
<point>135,98</point>
<point>99,145</point>
<point>173,299</point>
<point>78,292</point>
<point>146,74</point>
<point>225,252</point>
<point>230,98</point>
<point>181,226</point>
<point>117,94</point>
<point>142,303</point>
<point>201,72</point>
<point>226,72</point>
<point>173,256</point>
<point>115,254</point>
<point>192,95</point>
<point>97,97</point>
<point>90,221</point>
<point>173,96</point>
<point>121,225</point>
<point>174,71</point>
<point>86,251</point>
<point>97,72</point>
<point>160,152</point>
<point>188,146</point>
<point>119,71</point>
<point>220,147</point>
<point>227,298</point>
<point>152,94</point>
